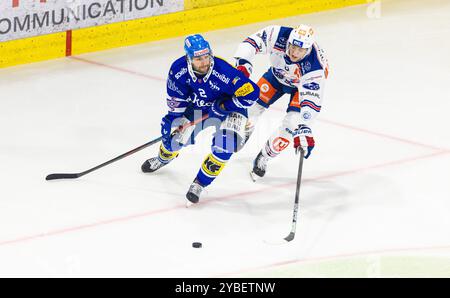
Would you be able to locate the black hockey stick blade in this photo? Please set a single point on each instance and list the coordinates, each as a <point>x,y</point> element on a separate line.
<point>61,176</point>
<point>285,240</point>
<point>290,237</point>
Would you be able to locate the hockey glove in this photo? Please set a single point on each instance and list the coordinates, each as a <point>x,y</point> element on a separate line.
<point>303,139</point>
<point>244,66</point>
<point>218,110</point>
<point>182,135</point>
<point>174,141</point>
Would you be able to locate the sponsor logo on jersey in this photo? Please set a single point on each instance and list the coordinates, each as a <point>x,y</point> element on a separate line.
<point>313,78</point>
<point>250,102</point>
<point>278,73</point>
<point>306,115</point>
<point>221,76</point>
<point>199,102</point>
<point>306,66</point>
<point>311,86</point>
<point>172,86</point>
<point>309,93</point>
<point>181,72</point>
<point>235,80</point>
<point>213,85</point>
<point>263,37</point>
<point>280,44</point>
<point>244,90</point>
<point>322,56</point>
<point>286,77</point>
<point>265,88</point>
<point>173,103</point>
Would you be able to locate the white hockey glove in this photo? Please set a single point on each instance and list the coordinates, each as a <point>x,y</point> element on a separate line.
<point>244,66</point>
<point>181,136</point>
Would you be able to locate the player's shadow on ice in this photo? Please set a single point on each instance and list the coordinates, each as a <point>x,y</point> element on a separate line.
<point>317,199</point>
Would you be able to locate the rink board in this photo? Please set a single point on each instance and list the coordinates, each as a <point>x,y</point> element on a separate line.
<point>191,20</point>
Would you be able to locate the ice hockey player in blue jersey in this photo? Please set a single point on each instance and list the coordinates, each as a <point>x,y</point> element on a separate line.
<point>298,68</point>
<point>201,84</point>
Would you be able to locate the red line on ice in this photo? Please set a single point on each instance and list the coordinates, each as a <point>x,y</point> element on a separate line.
<point>124,70</point>
<point>398,139</point>
<point>238,195</point>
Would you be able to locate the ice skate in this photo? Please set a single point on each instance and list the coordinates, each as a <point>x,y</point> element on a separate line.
<point>151,165</point>
<point>193,195</point>
<point>259,167</point>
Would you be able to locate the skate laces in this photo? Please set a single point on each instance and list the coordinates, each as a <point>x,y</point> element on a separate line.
<point>155,163</point>
<point>196,188</point>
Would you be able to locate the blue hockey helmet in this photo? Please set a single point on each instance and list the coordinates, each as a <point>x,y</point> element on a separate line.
<point>196,46</point>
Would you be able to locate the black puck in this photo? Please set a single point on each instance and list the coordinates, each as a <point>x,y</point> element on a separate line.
<point>197,245</point>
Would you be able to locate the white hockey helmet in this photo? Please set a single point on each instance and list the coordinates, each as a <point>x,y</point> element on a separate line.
<point>301,36</point>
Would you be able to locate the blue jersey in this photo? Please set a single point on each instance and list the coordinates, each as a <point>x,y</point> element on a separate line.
<point>185,88</point>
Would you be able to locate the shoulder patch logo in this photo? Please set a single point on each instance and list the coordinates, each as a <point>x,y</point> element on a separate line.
<point>244,90</point>
<point>311,86</point>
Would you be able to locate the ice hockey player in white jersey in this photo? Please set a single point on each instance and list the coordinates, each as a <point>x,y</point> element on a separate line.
<point>298,68</point>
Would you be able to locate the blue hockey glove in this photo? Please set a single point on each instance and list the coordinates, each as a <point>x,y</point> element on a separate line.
<point>218,110</point>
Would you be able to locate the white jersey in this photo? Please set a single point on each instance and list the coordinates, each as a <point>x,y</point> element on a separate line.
<point>308,75</point>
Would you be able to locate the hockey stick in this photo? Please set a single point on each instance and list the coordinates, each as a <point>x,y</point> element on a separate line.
<point>291,235</point>
<point>78,175</point>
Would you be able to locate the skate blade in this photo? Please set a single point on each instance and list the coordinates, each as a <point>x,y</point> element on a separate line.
<point>276,241</point>
<point>253,176</point>
<point>190,204</point>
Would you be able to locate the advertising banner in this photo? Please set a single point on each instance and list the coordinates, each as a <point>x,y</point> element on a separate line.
<point>27,18</point>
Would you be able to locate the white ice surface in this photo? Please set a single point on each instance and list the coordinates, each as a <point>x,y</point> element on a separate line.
<point>378,180</point>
